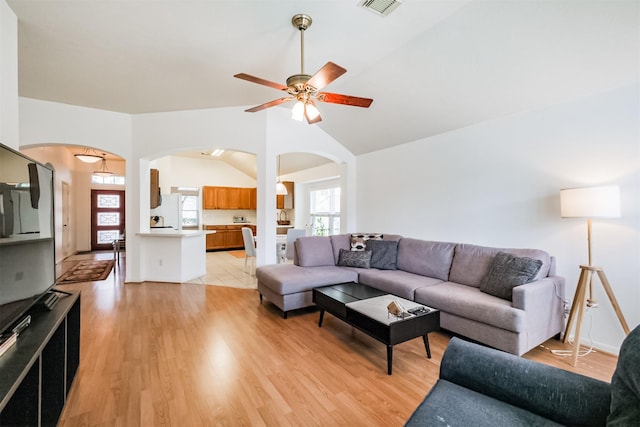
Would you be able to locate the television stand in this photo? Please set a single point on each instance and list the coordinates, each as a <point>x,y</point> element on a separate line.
<point>46,303</point>
<point>36,374</point>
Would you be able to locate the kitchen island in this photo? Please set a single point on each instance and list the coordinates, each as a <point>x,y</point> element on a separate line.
<point>170,255</point>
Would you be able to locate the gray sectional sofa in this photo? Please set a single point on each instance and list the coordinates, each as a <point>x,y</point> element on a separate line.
<point>447,276</point>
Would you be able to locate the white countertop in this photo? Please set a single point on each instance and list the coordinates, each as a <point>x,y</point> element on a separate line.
<point>167,232</point>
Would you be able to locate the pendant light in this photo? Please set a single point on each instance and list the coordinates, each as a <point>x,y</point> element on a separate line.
<point>88,155</point>
<point>103,171</point>
<point>281,190</point>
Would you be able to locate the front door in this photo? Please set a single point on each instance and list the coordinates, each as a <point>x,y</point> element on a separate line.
<point>107,218</point>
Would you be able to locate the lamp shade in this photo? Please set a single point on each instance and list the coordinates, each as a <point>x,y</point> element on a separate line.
<point>590,202</point>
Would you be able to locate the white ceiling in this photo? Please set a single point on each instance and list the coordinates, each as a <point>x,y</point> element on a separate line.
<point>430,66</point>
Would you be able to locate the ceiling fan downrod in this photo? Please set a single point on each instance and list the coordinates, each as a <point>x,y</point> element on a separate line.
<point>301,22</point>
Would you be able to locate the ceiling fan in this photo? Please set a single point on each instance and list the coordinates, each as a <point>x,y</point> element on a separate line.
<point>304,88</point>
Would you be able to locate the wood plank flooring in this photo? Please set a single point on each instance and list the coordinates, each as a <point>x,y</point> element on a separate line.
<point>157,354</point>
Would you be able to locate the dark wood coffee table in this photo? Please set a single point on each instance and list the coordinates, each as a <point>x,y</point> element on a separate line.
<point>365,308</point>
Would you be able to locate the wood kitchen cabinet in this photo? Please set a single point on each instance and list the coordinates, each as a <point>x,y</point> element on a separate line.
<point>216,240</point>
<point>286,201</point>
<point>226,236</point>
<point>154,190</point>
<point>228,198</point>
<point>248,198</point>
<point>234,236</point>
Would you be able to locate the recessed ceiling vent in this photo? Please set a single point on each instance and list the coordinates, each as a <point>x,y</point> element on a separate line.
<point>380,7</point>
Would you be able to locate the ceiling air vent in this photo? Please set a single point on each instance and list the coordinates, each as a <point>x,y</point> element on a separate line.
<point>380,7</point>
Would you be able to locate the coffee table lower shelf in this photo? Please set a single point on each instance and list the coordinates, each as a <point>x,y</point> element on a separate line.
<point>360,306</point>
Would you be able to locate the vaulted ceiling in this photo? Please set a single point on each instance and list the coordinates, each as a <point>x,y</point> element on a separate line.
<point>430,66</point>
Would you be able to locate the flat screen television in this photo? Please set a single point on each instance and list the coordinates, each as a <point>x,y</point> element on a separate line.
<point>27,243</point>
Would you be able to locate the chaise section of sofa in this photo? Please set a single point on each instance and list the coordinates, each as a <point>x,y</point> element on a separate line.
<point>289,286</point>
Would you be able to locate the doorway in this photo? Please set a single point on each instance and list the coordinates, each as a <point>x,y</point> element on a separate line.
<point>107,218</point>
<point>66,221</point>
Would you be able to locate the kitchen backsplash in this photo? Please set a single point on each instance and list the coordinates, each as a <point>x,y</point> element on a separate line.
<point>225,216</point>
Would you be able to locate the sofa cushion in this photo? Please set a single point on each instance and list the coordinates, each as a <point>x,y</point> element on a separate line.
<point>508,271</point>
<point>471,263</point>
<point>396,282</point>
<point>449,404</point>
<point>384,254</point>
<point>314,251</point>
<point>339,241</point>
<point>359,240</point>
<point>426,258</point>
<point>469,302</point>
<point>359,259</point>
<point>285,279</point>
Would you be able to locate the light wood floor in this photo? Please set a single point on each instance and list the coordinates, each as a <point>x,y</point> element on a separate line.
<point>156,354</point>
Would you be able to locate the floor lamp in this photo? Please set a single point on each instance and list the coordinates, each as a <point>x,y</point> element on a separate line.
<point>589,202</point>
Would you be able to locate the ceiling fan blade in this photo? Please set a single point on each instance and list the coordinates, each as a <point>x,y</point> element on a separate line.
<point>260,81</point>
<point>328,73</point>
<point>309,119</point>
<point>268,104</point>
<point>336,98</point>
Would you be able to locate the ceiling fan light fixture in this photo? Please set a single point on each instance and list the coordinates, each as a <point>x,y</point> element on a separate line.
<point>312,111</point>
<point>297,112</point>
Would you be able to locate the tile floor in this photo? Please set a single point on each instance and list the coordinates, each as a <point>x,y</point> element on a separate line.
<point>226,269</point>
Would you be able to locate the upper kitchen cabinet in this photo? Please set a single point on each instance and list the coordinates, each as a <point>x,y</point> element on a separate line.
<point>209,197</point>
<point>286,202</point>
<point>154,191</point>
<point>228,198</point>
<point>248,198</point>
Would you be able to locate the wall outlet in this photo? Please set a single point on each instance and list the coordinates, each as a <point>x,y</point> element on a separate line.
<point>160,262</point>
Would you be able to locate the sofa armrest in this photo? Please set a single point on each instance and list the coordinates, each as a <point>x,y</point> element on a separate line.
<point>553,393</point>
<point>540,294</point>
<point>543,303</point>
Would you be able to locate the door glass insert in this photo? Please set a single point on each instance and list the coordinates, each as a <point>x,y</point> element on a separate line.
<point>106,237</point>
<point>108,201</point>
<point>108,218</point>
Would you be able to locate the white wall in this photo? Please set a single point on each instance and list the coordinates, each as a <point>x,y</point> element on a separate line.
<point>498,184</point>
<point>190,172</point>
<point>8,76</point>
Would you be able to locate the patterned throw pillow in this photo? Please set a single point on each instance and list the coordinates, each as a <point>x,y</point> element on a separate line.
<point>360,259</point>
<point>359,240</point>
<point>508,271</point>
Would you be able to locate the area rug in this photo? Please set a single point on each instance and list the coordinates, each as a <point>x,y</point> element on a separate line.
<point>87,271</point>
<point>237,254</point>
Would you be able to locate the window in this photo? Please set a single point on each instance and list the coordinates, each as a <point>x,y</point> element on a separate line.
<point>325,211</point>
<point>108,180</point>
<point>188,205</point>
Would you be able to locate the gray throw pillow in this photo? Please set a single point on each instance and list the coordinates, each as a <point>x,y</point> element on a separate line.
<point>360,259</point>
<point>384,254</point>
<point>506,272</point>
